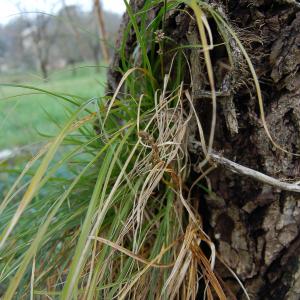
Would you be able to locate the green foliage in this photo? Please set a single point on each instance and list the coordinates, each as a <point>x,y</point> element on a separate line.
<point>19,126</point>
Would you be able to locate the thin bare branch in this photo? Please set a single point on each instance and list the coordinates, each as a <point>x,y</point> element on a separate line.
<point>236,168</point>
<point>102,30</point>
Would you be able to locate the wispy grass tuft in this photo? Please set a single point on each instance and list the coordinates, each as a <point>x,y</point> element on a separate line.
<point>106,213</point>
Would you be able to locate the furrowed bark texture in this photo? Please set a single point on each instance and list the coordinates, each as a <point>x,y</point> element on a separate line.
<point>255,226</point>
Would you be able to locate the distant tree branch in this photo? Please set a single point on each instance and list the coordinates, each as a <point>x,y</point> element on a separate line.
<point>102,30</point>
<point>74,29</point>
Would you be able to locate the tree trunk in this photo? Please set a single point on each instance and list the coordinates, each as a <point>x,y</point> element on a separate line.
<point>96,50</point>
<point>255,226</point>
<point>44,69</point>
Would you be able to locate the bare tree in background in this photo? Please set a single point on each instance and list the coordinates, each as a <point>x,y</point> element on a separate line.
<point>69,11</point>
<point>37,41</point>
<point>102,30</point>
<point>43,37</point>
<point>39,36</point>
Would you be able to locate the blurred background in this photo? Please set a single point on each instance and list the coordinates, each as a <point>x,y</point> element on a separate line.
<point>61,46</point>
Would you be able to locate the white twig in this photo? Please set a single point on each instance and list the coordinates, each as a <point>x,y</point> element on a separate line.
<point>293,2</point>
<point>236,168</point>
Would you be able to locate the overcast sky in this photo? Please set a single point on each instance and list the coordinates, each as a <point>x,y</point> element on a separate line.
<point>8,8</point>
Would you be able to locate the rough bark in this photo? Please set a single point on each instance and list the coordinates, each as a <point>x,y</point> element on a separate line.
<point>255,226</point>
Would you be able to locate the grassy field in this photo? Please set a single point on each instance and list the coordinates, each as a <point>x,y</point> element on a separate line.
<point>26,117</point>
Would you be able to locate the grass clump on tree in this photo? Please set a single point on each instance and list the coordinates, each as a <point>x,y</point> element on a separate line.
<point>123,222</point>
